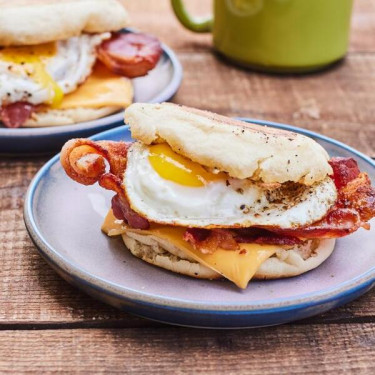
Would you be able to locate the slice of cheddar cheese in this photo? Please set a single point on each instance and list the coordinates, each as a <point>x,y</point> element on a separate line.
<point>101,89</point>
<point>239,266</point>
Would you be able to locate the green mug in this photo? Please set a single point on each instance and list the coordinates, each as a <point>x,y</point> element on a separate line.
<point>276,35</point>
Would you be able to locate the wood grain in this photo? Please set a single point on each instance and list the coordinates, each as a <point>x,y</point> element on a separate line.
<point>287,349</point>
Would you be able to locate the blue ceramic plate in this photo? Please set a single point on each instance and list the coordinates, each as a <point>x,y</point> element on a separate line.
<point>159,85</point>
<point>64,219</point>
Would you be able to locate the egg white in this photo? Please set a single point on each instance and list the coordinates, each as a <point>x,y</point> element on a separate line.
<point>227,203</point>
<point>69,67</point>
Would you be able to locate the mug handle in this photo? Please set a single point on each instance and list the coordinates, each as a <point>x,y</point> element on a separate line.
<point>198,25</point>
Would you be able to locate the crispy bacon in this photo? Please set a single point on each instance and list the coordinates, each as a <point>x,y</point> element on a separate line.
<point>84,162</point>
<point>358,194</point>
<point>15,115</point>
<point>338,223</point>
<point>264,237</point>
<point>131,55</point>
<point>120,204</point>
<point>122,211</point>
<point>354,207</point>
<point>207,241</point>
<point>344,171</point>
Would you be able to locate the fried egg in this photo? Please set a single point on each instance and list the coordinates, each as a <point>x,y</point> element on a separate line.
<point>42,74</point>
<point>168,188</point>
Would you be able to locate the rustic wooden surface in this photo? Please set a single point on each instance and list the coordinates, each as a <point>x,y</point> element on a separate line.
<point>48,326</point>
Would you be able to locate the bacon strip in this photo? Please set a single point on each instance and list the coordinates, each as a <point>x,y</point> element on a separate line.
<point>85,162</point>
<point>359,195</point>
<point>344,171</point>
<point>122,211</point>
<point>131,55</point>
<point>120,204</point>
<point>354,207</point>
<point>207,241</point>
<point>264,237</point>
<point>16,114</point>
<point>338,223</point>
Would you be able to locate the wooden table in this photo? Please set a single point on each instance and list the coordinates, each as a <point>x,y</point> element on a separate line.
<point>47,325</point>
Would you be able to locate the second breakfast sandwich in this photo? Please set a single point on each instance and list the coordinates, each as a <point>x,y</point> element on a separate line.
<point>209,196</point>
<point>65,61</point>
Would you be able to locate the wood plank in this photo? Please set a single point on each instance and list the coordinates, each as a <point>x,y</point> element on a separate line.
<point>363,26</point>
<point>287,349</point>
<point>142,14</point>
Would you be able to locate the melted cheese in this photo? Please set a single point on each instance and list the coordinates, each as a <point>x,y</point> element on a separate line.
<point>101,89</point>
<point>239,266</point>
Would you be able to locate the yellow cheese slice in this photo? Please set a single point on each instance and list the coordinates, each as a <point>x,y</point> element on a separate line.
<point>238,266</point>
<point>101,89</point>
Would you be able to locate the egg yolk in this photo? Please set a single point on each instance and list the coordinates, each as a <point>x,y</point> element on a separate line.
<point>174,167</point>
<point>35,57</point>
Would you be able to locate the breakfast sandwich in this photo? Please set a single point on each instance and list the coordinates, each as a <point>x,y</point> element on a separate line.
<point>209,196</point>
<point>65,61</point>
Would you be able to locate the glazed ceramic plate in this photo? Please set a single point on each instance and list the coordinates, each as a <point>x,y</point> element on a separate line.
<point>159,85</point>
<point>64,219</point>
